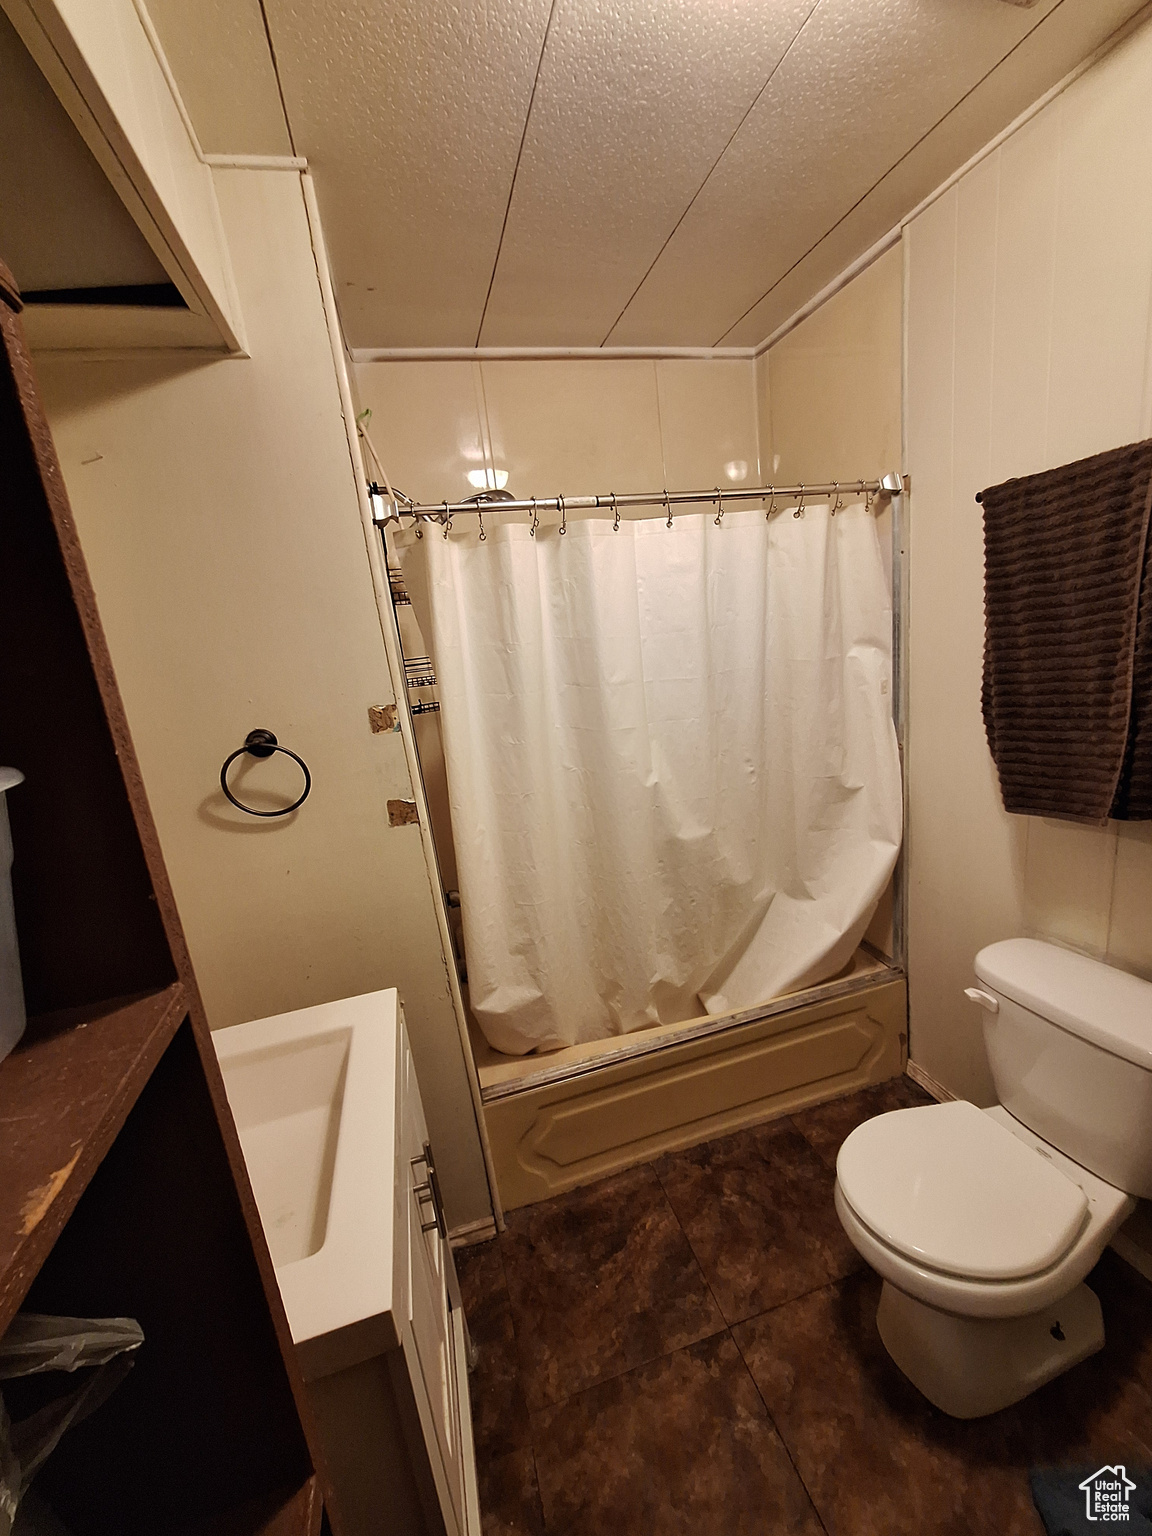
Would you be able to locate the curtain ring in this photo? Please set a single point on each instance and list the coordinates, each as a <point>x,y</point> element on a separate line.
<point>799,512</point>
<point>719,518</point>
<point>447,521</point>
<point>535,520</point>
<point>771,507</point>
<point>480,515</point>
<point>839,502</point>
<point>667,507</point>
<point>563,514</point>
<point>615,513</point>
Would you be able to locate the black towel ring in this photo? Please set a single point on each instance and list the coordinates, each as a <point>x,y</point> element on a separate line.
<point>263,744</point>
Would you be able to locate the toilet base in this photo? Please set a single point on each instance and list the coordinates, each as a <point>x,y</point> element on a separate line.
<point>972,1366</point>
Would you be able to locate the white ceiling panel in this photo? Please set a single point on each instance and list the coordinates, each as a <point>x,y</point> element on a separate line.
<point>1044,58</point>
<point>636,101</point>
<point>560,173</point>
<point>836,116</point>
<point>411,114</point>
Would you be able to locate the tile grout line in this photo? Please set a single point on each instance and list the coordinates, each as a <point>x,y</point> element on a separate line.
<point>772,1420</point>
<point>650,1359</point>
<point>539,1489</point>
<point>692,1251</point>
<point>726,1329</point>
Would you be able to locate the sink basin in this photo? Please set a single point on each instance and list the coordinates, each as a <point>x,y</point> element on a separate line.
<point>287,1100</point>
<point>313,1094</point>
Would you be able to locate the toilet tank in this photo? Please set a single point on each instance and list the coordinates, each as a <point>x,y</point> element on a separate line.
<point>1070,1046</point>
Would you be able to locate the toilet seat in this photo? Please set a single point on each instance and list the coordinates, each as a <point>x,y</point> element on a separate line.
<point>955,1290</point>
<point>950,1189</point>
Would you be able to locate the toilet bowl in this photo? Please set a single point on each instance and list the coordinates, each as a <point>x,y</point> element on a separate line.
<point>981,1227</point>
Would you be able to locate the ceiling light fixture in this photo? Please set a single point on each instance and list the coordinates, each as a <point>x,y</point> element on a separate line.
<point>488,479</point>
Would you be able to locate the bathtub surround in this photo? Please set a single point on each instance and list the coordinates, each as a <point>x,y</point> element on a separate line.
<point>1025,349</point>
<point>673,774</point>
<point>567,425</point>
<point>631,1098</point>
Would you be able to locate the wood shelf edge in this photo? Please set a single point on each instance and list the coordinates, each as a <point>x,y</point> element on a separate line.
<point>65,1137</point>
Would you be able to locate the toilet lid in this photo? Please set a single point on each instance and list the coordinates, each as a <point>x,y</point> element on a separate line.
<point>950,1188</point>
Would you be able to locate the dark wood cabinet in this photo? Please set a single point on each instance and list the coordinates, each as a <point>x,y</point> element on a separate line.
<point>122,1185</point>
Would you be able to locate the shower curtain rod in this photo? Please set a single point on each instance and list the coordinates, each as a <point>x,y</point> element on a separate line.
<point>392,508</point>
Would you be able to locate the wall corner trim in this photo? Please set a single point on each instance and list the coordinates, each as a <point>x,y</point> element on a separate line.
<point>541,354</point>
<point>255,162</point>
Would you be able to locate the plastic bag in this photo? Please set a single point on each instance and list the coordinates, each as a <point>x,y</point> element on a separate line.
<point>36,1343</point>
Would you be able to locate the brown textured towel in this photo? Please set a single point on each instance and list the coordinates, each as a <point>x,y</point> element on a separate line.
<point>1068,643</point>
<point>1133,801</point>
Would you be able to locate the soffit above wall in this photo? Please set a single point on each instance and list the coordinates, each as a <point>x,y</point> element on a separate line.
<point>62,224</point>
<point>622,172</point>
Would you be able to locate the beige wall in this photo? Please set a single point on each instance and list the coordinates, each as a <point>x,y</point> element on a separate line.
<point>829,406</point>
<point>835,385</point>
<point>218,512</point>
<point>1028,346</point>
<point>573,427</point>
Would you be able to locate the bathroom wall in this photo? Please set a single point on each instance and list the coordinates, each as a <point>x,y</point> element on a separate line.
<point>1028,346</point>
<point>829,406</point>
<point>218,512</point>
<point>834,399</point>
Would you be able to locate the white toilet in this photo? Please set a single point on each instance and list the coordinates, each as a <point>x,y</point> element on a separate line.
<point>984,1222</point>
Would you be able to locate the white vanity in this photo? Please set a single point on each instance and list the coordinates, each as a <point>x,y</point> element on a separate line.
<point>328,1111</point>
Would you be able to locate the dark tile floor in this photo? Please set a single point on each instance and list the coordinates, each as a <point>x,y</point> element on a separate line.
<point>691,1347</point>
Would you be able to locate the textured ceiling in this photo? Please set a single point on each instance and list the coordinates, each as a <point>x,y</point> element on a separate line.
<point>620,172</point>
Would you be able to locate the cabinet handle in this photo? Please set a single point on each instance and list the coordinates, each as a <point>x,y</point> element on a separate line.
<point>428,1193</point>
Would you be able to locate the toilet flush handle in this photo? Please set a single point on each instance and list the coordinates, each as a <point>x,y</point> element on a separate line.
<point>985,999</point>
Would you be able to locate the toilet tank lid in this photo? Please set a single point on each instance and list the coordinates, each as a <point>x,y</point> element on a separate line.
<point>1110,1008</point>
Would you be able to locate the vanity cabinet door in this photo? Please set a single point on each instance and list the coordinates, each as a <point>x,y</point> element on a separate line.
<point>430,1339</point>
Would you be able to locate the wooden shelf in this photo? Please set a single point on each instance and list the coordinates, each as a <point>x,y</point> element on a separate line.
<point>65,1091</point>
<point>123,1191</point>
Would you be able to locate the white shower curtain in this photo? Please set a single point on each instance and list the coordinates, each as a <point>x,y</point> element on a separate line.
<point>672,768</point>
